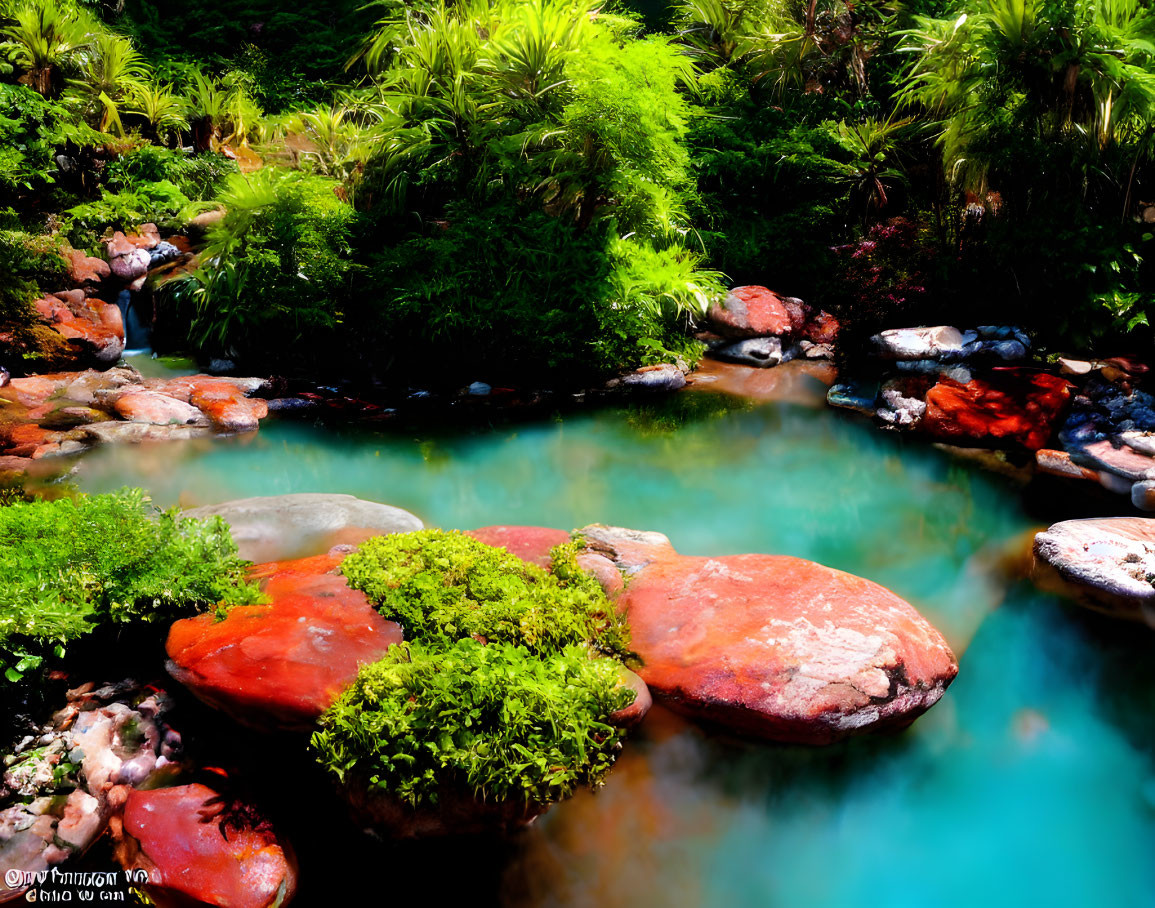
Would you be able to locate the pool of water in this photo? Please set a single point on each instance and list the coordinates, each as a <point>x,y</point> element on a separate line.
<point>1031,782</point>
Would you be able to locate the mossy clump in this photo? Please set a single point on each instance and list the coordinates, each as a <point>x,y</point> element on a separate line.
<point>443,586</point>
<point>69,566</point>
<point>505,689</point>
<point>492,719</point>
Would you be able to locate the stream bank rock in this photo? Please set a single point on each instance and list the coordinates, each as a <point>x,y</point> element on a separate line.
<point>198,847</point>
<point>1107,564</point>
<point>280,527</point>
<point>279,666</point>
<point>773,646</point>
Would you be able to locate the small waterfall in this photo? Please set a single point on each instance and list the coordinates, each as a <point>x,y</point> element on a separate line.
<point>137,329</point>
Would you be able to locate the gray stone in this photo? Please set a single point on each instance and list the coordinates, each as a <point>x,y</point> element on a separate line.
<point>140,432</point>
<point>479,389</point>
<point>1104,563</point>
<point>762,352</point>
<point>664,377</point>
<point>278,527</point>
<point>920,343</point>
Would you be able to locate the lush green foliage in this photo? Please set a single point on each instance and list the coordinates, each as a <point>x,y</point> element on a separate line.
<point>275,269</point>
<point>492,720</point>
<point>67,566</point>
<point>443,587</point>
<point>499,692</point>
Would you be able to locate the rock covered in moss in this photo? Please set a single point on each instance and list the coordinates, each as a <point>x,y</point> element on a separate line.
<point>774,646</point>
<point>198,847</point>
<point>280,665</point>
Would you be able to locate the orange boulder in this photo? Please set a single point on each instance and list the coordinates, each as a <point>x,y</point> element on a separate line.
<point>1011,407</point>
<point>281,665</point>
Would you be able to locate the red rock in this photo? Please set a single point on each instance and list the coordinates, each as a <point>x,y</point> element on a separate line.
<point>1009,408</point>
<point>821,329</point>
<point>35,389</point>
<point>281,665</point>
<point>157,409</point>
<point>530,544</point>
<point>198,849</point>
<point>604,571</point>
<point>95,326</point>
<point>750,312</point>
<point>86,269</point>
<point>775,646</point>
<point>226,405</point>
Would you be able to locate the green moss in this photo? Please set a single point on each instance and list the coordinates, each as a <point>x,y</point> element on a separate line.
<point>443,586</point>
<point>495,720</point>
<point>500,692</point>
<point>68,566</point>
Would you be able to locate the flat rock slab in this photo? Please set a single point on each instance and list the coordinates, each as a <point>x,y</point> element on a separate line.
<point>278,527</point>
<point>1105,563</point>
<point>773,646</point>
<point>199,848</point>
<point>279,666</point>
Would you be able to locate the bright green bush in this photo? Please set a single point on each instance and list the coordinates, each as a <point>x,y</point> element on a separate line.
<point>67,567</point>
<point>441,587</point>
<point>500,691</point>
<point>198,177</point>
<point>492,720</point>
<point>275,273</point>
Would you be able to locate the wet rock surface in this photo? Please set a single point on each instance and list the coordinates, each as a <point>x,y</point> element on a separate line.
<point>774,646</point>
<point>1104,563</point>
<point>279,527</point>
<point>279,666</point>
<point>199,847</point>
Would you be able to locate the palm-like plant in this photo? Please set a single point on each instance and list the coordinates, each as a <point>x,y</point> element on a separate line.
<point>164,112</point>
<point>1080,78</point>
<point>42,37</point>
<point>110,72</point>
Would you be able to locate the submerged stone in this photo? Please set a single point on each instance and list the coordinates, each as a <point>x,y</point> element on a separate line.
<point>278,527</point>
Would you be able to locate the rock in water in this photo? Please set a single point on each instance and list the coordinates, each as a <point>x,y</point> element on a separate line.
<point>277,527</point>
<point>1107,564</point>
<point>279,666</point>
<point>774,646</point>
<point>199,848</point>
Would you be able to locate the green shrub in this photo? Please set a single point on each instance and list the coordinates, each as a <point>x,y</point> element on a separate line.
<point>199,177</point>
<point>443,586</point>
<point>499,692</point>
<point>28,263</point>
<point>275,273</point>
<point>68,566</point>
<point>160,203</point>
<point>492,720</point>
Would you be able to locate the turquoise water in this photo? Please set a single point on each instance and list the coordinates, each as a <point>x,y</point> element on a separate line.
<point>1031,782</point>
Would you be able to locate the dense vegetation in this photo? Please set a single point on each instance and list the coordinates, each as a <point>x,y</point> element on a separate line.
<point>70,566</point>
<point>499,691</point>
<point>511,189</point>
